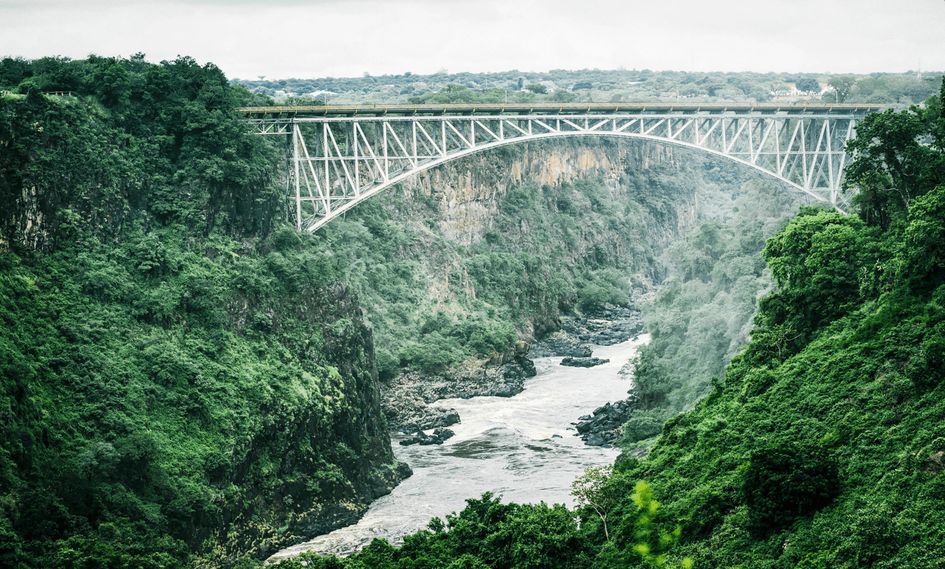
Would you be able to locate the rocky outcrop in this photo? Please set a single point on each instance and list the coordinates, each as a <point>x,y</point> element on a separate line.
<point>560,343</point>
<point>425,418</point>
<point>603,427</point>
<point>437,437</point>
<point>607,327</point>
<point>468,191</point>
<point>408,396</point>
<point>583,362</point>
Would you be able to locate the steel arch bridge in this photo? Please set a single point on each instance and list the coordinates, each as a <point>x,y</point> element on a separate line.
<point>343,155</point>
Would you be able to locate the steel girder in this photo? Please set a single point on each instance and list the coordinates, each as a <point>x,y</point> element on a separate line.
<point>338,162</point>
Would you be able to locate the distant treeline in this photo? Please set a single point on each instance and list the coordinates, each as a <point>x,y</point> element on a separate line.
<point>603,86</point>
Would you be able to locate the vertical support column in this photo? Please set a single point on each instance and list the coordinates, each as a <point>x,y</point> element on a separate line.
<point>804,151</point>
<point>724,135</point>
<point>751,138</point>
<point>296,136</point>
<point>831,178</point>
<point>386,160</point>
<point>326,160</point>
<point>357,159</point>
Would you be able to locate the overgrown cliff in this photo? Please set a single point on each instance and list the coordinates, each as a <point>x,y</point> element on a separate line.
<point>459,263</point>
<point>183,379</point>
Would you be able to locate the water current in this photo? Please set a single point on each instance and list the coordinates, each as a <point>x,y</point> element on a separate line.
<point>523,448</point>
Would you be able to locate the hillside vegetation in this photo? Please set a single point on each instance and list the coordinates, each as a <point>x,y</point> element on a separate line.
<point>181,378</point>
<point>186,378</point>
<point>821,446</point>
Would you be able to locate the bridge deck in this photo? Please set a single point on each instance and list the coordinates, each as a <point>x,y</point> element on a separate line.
<point>397,109</point>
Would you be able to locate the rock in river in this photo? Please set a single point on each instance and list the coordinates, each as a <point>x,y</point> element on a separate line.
<point>421,438</point>
<point>583,362</point>
<point>603,427</point>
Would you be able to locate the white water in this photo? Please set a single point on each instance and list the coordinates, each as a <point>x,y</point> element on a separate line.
<point>523,448</point>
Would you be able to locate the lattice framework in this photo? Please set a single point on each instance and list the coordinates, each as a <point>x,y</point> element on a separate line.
<point>338,162</point>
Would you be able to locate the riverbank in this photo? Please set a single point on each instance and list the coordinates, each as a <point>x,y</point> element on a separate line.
<point>524,448</point>
<point>409,399</point>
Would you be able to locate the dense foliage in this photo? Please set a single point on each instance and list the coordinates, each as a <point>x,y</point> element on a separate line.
<point>175,377</point>
<point>700,315</point>
<point>823,444</point>
<point>129,141</point>
<point>182,380</point>
<point>434,301</point>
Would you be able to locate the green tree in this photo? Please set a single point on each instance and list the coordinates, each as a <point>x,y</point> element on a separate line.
<point>819,261</point>
<point>842,86</point>
<point>807,84</point>
<point>591,490</point>
<point>924,241</point>
<point>897,157</point>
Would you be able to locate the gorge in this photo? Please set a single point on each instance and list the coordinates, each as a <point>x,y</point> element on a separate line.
<point>190,380</point>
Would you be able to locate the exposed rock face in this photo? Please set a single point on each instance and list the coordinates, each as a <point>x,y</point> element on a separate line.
<point>560,343</point>
<point>583,362</point>
<point>420,438</point>
<point>429,418</point>
<point>468,191</point>
<point>603,427</point>
<point>406,398</point>
<point>610,326</point>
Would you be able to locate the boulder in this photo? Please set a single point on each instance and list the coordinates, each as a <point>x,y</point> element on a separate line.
<point>560,343</point>
<point>583,362</point>
<point>519,369</point>
<point>604,426</point>
<point>430,418</point>
<point>421,438</point>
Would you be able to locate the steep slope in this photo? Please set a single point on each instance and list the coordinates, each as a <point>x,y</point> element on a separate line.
<point>523,235</point>
<point>180,378</point>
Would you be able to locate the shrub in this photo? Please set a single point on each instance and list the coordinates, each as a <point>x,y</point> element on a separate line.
<point>642,425</point>
<point>784,483</point>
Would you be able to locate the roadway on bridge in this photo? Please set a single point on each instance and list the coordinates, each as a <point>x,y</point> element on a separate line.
<point>398,109</point>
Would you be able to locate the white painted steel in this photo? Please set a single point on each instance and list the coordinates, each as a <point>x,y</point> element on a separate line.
<point>340,161</point>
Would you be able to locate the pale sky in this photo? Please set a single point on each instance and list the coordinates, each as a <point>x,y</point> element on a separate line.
<point>318,38</point>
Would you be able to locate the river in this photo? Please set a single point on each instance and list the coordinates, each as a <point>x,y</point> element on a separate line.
<point>523,448</point>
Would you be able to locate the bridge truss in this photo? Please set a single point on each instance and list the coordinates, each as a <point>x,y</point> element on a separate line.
<point>339,160</point>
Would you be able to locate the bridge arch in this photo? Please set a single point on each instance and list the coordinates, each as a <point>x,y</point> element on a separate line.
<point>346,155</point>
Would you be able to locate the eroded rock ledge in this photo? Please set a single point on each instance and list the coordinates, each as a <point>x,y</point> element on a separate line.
<point>407,398</point>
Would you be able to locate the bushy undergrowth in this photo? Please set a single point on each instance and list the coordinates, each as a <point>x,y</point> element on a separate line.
<point>700,315</point>
<point>175,377</point>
